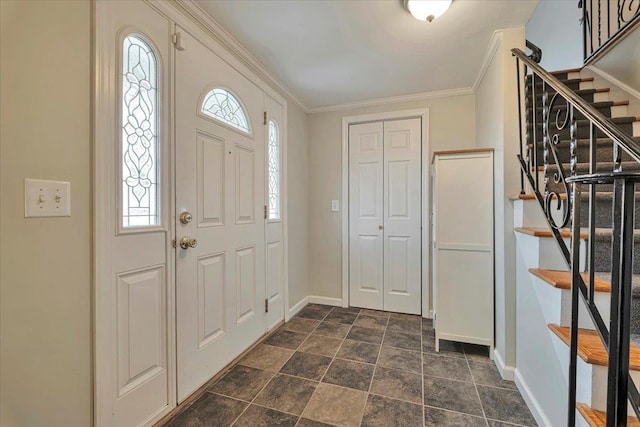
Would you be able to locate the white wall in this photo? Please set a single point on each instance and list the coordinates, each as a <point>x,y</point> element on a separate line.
<point>555,28</point>
<point>452,125</point>
<point>45,264</point>
<point>497,126</point>
<point>623,61</point>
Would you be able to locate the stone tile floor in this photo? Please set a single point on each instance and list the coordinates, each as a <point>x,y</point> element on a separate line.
<point>351,367</point>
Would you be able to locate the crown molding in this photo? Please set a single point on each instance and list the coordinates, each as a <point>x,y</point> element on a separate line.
<point>489,54</point>
<point>232,45</point>
<point>394,100</point>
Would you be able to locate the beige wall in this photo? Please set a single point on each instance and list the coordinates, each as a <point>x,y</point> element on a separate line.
<point>45,282</point>
<point>298,202</point>
<point>497,126</point>
<point>452,125</point>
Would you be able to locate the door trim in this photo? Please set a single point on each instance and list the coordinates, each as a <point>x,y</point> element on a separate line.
<point>425,179</point>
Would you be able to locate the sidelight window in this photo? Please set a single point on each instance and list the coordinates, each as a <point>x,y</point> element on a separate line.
<point>139,133</point>
<point>273,156</point>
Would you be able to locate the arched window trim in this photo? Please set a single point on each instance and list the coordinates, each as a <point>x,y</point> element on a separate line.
<point>154,190</point>
<point>202,112</point>
<point>274,193</point>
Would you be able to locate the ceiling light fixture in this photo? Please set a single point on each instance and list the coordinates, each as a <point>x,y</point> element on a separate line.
<point>426,10</point>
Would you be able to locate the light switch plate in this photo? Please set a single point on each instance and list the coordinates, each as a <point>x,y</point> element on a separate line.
<point>46,198</point>
<point>335,206</point>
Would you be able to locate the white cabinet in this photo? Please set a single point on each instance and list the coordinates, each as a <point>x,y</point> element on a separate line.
<point>463,252</point>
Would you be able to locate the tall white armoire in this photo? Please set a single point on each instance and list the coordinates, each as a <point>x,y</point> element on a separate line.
<point>463,252</point>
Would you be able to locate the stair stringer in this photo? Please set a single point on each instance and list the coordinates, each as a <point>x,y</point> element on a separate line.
<point>538,372</point>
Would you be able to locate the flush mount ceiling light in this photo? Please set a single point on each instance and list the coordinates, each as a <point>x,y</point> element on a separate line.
<point>426,10</point>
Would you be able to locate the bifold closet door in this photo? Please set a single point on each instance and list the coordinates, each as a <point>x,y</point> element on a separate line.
<point>385,215</point>
<point>366,219</point>
<point>402,211</point>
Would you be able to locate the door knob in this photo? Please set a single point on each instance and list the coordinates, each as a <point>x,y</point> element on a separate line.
<point>380,227</point>
<point>188,242</point>
<point>186,217</point>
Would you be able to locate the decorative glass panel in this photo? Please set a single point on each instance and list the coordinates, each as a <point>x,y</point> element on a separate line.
<point>273,155</point>
<point>139,134</point>
<point>222,105</point>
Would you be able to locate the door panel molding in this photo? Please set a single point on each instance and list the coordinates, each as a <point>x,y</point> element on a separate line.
<point>425,193</point>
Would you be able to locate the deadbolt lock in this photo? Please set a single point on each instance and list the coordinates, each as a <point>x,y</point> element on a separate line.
<point>186,217</point>
<point>188,242</point>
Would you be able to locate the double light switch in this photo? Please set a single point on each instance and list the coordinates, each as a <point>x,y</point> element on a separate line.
<point>46,198</point>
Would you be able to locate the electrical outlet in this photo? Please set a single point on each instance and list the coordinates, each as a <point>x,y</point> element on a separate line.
<point>46,198</point>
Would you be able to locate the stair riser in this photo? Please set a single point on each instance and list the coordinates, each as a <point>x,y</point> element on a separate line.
<point>606,111</point>
<point>557,305</point>
<point>603,214</point>
<point>573,85</point>
<point>543,252</point>
<point>604,152</point>
<point>591,384</point>
<point>603,254</point>
<point>582,132</point>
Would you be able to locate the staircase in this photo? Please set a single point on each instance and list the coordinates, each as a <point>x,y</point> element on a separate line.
<point>543,273</point>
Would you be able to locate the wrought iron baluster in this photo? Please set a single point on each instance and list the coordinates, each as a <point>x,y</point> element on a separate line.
<point>519,76</point>
<point>621,278</point>
<point>534,130</point>
<point>575,273</point>
<point>592,212</point>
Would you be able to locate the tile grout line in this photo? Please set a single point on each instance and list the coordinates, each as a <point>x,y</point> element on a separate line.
<point>475,386</point>
<point>325,372</point>
<point>276,373</point>
<point>269,381</point>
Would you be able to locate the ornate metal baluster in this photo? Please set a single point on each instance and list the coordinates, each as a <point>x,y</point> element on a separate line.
<point>575,270</point>
<point>519,76</point>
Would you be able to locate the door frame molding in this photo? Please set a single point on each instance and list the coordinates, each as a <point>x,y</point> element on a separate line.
<point>425,182</point>
<point>103,128</point>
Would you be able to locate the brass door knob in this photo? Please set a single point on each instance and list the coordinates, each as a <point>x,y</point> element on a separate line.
<point>186,217</point>
<point>188,242</point>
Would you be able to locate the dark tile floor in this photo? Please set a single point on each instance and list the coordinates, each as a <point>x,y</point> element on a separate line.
<point>351,367</point>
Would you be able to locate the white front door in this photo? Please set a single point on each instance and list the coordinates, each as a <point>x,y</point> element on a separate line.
<point>220,158</point>
<point>385,215</point>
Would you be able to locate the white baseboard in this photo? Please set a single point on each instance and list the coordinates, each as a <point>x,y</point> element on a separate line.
<point>507,372</point>
<point>296,308</point>
<point>336,302</point>
<point>312,299</point>
<point>531,401</point>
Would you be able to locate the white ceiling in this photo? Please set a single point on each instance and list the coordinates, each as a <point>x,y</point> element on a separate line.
<point>336,52</point>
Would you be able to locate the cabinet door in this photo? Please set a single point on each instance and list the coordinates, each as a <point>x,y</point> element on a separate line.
<point>463,263</point>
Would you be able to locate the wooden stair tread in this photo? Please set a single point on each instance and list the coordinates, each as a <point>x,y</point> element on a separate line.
<point>567,71</point>
<point>545,232</point>
<point>590,347</point>
<point>562,279</point>
<point>599,418</point>
<point>620,103</point>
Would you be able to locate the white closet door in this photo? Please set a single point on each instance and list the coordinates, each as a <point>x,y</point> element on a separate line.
<point>402,211</point>
<point>220,283</point>
<point>366,219</point>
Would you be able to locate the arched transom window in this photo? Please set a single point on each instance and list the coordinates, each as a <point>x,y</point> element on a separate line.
<point>139,153</point>
<point>273,156</point>
<point>222,105</point>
